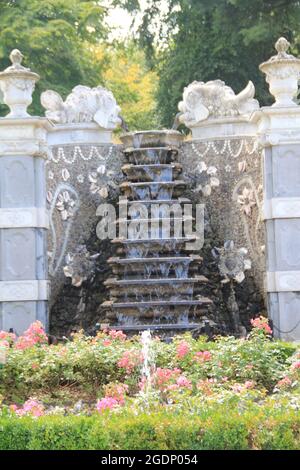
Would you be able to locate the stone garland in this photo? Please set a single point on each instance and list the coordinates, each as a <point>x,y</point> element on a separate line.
<point>78,153</point>
<point>226,147</point>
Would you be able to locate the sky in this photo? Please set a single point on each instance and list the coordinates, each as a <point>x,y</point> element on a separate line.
<point>120,19</point>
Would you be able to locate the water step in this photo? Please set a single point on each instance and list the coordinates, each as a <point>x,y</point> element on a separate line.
<point>153,190</point>
<point>163,309</point>
<point>152,138</point>
<point>153,247</point>
<point>180,200</point>
<point>157,327</point>
<point>155,172</point>
<point>152,282</point>
<point>164,259</point>
<point>158,303</point>
<point>154,289</point>
<point>175,240</point>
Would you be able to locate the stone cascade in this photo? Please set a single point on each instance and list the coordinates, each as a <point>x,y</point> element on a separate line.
<point>155,276</point>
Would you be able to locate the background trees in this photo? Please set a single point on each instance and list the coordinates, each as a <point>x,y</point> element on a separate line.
<point>209,39</point>
<point>68,42</point>
<point>55,37</point>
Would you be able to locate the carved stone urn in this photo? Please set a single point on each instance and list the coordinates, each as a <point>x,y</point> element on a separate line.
<point>17,84</point>
<point>282,73</point>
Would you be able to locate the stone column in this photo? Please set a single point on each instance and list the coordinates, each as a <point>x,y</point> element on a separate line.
<point>279,134</point>
<point>23,215</point>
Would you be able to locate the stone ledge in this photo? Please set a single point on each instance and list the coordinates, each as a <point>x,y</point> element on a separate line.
<point>14,291</point>
<point>25,217</point>
<point>281,208</point>
<point>282,281</point>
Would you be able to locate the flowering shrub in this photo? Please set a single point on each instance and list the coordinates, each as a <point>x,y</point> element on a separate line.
<point>106,403</point>
<point>183,349</point>
<point>117,391</point>
<point>130,360</point>
<point>7,339</point>
<point>31,407</point>
<point>104,372</point>
<point>261,323</point>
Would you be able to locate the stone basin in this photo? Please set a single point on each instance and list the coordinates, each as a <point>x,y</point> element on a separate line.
<point>152,138</point>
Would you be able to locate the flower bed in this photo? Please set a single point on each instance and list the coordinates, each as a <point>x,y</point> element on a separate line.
<point>251,385</point>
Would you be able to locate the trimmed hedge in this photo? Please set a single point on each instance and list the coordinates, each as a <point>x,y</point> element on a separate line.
<point>218,429</point>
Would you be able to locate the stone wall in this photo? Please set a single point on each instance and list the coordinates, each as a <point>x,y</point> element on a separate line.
<point>226,175</point>
<point>79,178</point>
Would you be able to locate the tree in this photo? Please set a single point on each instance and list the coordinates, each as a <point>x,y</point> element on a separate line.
<point>209,39</point>
<point>55,37</point>
<point>132,83</point>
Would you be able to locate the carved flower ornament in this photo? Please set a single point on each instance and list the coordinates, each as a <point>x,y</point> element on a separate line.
<point>66,205</point>
<point>80,265</point>
<point>247,201</point>
<point>231,262</point>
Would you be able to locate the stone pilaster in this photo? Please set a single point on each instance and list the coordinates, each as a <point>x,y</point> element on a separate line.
<point>279,135</point>
<point>23,214</point>
<point>23,223</point>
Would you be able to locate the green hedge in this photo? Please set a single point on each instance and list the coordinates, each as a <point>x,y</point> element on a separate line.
<point>221,429</point>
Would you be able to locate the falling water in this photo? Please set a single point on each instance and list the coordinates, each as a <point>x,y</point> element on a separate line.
<point>153,279</point>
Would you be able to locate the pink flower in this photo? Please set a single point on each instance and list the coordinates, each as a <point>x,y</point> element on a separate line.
<point>183,348</point>
<point>114,334</point>
<point>163,378</point>
<point>107,342</point>
<point>117,392</point>
<point>261,323</point>
<point>34,335</point>
<point>284,383</point>
<point>31,407</point>
<point>202,356</point>
<point>129,361</point>
<point>183,382</point>
<point>106,403</point>
<point>296,365</point>
<point>249,384</point>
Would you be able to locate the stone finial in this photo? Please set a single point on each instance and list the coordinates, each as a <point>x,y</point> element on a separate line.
<point>282,74</point>
<point>16,58</point>
<point>282,45</point>
<point>213,100</point>
<point>84,104</point>
<point>17,84</point>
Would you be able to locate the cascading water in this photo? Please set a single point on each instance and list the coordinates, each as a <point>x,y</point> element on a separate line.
<point>155,277</point>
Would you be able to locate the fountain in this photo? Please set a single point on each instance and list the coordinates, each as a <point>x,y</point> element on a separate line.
<point>155,277</point>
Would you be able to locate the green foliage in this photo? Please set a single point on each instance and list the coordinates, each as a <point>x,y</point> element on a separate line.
<point>220,428</point>
<point>132,83</point>
<point>215,39</point>
<point>55,37</point>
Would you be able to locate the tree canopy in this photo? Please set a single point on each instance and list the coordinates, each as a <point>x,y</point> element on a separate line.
<point>55,38</point>
<point>209,39</point>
